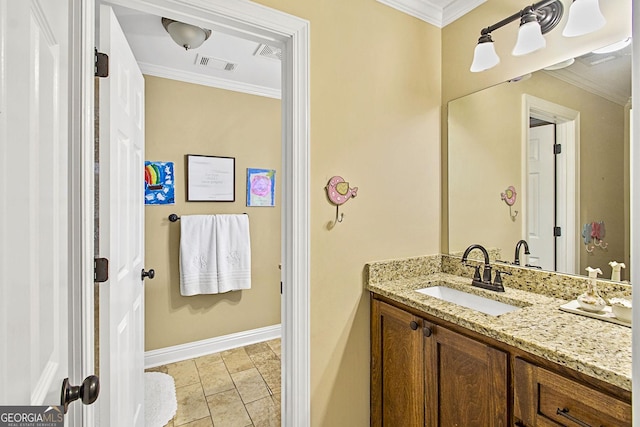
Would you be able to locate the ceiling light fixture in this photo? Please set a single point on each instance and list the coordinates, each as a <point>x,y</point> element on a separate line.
<point>185,35</point>
<point>613,47</point>
<point>535,21</point>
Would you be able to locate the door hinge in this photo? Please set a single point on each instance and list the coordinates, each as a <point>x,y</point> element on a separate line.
<point>280,288</point>
<point>557,148</point>
<point>101,64</point>
<point>100,270</point>
<point>557,231</point>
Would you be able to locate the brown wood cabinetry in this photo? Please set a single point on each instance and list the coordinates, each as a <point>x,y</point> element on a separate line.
<point>466,381</point>
<point>427,372</point>
<point>397,368</point>
<point>544,398</point>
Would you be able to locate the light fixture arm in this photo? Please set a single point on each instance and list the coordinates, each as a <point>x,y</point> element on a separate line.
<point>533,8</point>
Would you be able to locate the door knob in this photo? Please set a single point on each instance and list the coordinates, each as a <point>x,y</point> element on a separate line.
<point>413,325</point>
<point>150,274</point>
<point>87,392</point>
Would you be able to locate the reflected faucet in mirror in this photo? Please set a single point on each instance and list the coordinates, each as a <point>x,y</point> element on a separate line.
<point>516,259</point>
<point>485,281</point>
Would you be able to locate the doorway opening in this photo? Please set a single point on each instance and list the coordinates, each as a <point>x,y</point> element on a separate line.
<point>565,166</point>
<point>272,27</point>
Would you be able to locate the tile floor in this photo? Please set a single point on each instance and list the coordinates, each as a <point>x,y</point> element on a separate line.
<point>238,387</point>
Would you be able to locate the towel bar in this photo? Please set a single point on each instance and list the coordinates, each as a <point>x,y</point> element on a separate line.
<point>174,217</point>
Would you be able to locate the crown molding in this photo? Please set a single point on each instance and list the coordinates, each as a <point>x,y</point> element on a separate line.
<point>432,12</point>
<point>610,94</point>
<point>211,81</point>
<point>457,8</point>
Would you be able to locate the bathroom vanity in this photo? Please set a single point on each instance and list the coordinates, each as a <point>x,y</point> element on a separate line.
<point>435,362</point>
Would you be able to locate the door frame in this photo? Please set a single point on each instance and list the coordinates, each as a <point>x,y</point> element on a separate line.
<point>81,187</point>
<point>568,175</point>
<point>254,21</point>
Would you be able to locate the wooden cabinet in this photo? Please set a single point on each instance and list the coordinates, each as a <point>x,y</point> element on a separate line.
<point>427,372</point>
<point>397,367</point>
<point>544,398</point>
<point>466,381</point>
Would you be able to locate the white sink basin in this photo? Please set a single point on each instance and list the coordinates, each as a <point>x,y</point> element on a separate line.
<point>474,302</point>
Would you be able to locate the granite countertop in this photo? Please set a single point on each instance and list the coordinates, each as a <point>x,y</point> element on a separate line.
<point>594,347</point>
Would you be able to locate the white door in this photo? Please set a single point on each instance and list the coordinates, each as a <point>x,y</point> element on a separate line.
<point>121,122</point>
<point>34,206</point>
<point>37,339</point>
<point>540,196</point>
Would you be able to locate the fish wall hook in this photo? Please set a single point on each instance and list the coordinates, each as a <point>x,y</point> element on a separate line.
<point>339,192</point>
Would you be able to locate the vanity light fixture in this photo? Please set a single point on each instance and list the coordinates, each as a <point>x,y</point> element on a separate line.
<point>186,35</point>
<point>535,21</point>
<point>484,56</point>
<point>584,18</point>
<point>530,36</point>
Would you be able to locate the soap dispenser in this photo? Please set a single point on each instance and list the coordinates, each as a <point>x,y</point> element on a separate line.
<point>591,300</point>
<point>615,270</point>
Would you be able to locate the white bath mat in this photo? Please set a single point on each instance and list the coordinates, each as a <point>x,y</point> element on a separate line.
<point>160,402</point>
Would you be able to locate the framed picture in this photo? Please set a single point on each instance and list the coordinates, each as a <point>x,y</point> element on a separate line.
<point>261,187</point>
<point>211,178</point>
<point>159,183</point>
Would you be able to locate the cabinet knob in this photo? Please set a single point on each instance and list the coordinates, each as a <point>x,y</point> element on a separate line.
<point>413,325</point>
<point>427,331</point>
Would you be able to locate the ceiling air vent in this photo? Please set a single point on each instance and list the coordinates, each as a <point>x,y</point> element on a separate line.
<point>267,51</point>
<point>215,63</point>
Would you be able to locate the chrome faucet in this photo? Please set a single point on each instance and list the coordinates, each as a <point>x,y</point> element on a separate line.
<point>485,281</point>
<point>516,259</point>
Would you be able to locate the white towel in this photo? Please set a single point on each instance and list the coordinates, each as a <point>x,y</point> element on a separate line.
<point>198,262</point>
<point>233,246</point>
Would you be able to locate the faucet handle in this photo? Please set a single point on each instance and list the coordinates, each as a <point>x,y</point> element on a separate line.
<point>498,279</point>
<point>476,274</point>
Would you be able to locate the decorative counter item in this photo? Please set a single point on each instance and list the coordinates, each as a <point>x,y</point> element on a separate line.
<point>615,270</point>
<point>339,192</point>
<point>509,197</point>
<point>591,300</point>
<point>621,308</point>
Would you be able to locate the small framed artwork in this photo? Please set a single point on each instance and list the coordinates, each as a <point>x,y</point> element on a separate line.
<point>211,178</point>
<point>159,183</point>
<point>261,187</point>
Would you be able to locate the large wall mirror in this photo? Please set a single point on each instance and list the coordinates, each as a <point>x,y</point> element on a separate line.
<point>560,138</point>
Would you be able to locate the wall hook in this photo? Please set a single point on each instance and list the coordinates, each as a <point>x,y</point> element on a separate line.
<point>509,197</point>
<point>513,215</point>
<point>339,192</point>
<point>339,217</point>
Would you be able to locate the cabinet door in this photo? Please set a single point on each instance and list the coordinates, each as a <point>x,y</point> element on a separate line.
<point>397,369</point>
<point>466,381</point>
<point>544,398</point>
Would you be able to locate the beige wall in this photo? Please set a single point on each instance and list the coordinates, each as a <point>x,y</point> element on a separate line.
<point>183,118</point>
<point>460,38</point>
<point>485,157</point>
<point>375,101</point>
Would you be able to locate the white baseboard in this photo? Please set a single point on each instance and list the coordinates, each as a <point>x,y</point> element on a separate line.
<point>177,353</point>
